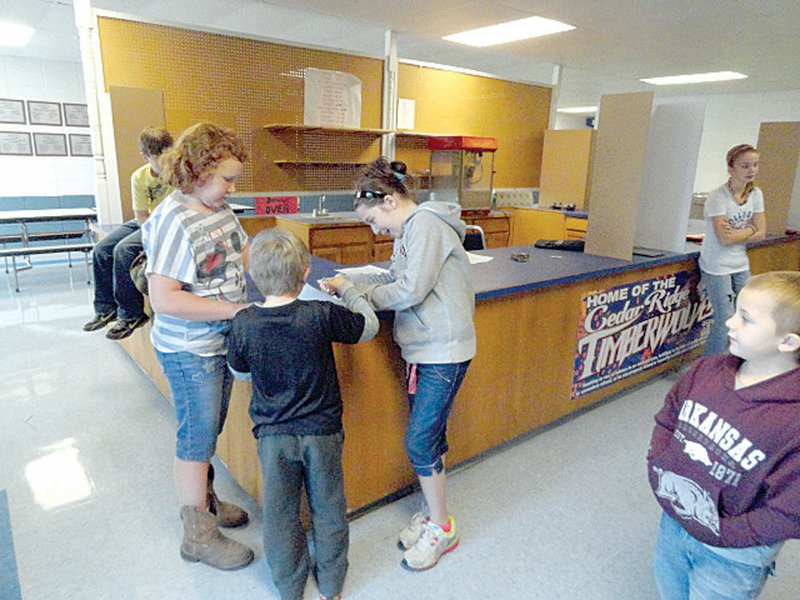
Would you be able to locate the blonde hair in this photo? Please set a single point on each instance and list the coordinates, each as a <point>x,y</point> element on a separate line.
<point>784,289</point>
<point>154,141</point>
<point>278,262</point>
<point>733,155</point>
<point>199,149</point>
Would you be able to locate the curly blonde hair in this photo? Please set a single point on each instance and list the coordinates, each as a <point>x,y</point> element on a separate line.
<point>199,149</point>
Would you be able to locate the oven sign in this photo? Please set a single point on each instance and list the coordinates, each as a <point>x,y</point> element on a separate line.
<point>633,327</point>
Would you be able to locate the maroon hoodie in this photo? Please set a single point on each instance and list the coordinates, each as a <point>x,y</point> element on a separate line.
<point>725,463</point>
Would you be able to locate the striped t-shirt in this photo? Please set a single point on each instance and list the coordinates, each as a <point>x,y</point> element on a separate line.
<point>204,253</point>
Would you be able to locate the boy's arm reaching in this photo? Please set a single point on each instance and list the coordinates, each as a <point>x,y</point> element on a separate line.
<point>237,360</point>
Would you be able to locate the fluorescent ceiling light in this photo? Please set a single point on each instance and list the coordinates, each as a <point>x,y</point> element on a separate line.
<point>513,31</point>
<point>15,35</point>
<point>578,110</point>
<point>695,78</point>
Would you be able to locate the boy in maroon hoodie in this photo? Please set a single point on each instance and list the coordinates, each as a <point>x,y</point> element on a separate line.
<point>724,459</point>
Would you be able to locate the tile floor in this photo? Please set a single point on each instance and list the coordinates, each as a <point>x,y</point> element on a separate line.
<point>87,451</point>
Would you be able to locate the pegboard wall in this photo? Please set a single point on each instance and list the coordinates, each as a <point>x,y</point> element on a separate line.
<point>453,103</point>
<point>246,85</point>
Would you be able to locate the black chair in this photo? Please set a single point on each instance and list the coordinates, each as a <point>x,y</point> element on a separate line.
<point>474,239</point>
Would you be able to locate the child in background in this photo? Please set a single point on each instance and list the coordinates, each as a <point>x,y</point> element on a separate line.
<point>724,459</point>
<point>285,346</point>
<point>429,286</point>
<point>115,295</point>
<point>196,253</point>
<point>734,214</point>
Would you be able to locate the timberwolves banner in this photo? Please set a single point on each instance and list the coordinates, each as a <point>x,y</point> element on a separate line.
<point>633,327</point>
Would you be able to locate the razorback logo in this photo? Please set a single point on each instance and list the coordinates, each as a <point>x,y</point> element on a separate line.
<point>688,500</point>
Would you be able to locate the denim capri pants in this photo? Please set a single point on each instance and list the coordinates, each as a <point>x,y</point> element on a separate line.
<point>201,391</point>
<point>429,408</point>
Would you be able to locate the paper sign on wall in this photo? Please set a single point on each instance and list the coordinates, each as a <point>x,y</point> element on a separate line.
<point>405,113</point>
<point>277,205</point>
<point>331,99</point>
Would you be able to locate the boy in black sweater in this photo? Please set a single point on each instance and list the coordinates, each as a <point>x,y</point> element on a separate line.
<point>285,345</point>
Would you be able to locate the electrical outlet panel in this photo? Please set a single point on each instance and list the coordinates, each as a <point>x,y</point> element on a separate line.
<point>515,196</point>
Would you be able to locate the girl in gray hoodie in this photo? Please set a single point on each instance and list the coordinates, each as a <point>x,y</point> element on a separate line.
<point>429,287</point>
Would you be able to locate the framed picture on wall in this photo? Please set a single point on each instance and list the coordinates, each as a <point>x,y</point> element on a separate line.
<point>44,113</point>
<point>15,143</point>
<point>12,111</point>
<point>50,144</point>
<point>76,115</point>
<point>80,144</point>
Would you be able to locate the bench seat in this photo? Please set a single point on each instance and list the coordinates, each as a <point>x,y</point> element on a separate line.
<point>28,251</point>
<point>43,236</point>
<point>36,250</point>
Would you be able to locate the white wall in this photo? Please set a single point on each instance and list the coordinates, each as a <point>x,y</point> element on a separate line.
<point>52,81</point>
<point>732,120</point>
<point>567,121</point>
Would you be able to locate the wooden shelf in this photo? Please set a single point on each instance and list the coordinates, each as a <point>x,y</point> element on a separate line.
<point>276,127</point>
<point>420,134</point>
<point>319,164</point>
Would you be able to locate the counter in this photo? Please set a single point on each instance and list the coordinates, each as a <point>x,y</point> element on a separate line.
<point>529,319</point>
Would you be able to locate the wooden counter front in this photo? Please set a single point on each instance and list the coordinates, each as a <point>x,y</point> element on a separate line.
<point>520,379</point>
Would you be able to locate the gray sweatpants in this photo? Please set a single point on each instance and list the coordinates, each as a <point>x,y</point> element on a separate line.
<point>289,462</point>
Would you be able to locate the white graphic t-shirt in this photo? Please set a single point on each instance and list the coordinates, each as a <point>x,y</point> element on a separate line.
<point>715,258</point>
<point>204,253</point>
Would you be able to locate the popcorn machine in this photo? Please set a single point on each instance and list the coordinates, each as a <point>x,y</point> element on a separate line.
<point>462,170</point>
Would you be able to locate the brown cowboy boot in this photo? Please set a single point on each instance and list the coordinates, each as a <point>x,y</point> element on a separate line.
<point>228,515</point>
<point>203,542</point>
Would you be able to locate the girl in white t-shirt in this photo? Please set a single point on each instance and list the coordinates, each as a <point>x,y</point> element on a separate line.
<point>734,215</point>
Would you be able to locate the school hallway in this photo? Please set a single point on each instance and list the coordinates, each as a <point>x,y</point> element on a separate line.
<point>88,509</point>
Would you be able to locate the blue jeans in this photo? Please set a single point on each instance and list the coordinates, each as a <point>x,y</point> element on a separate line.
<point>686,569</point>
<point>289,463</point>
<point>429,408</point>
<point>111,259</point>
<point>722,291</point>
<point>201,390</point>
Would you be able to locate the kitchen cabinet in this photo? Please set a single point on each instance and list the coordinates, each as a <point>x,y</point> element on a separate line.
<point>575,228</point>
<point>344,240</point>
<point>496,227</point>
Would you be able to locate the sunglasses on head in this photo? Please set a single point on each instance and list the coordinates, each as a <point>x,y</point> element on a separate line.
<point>370,194</point>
